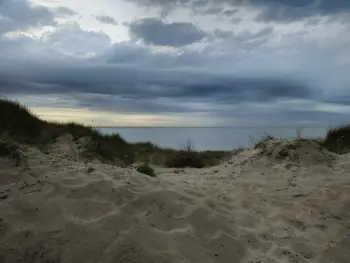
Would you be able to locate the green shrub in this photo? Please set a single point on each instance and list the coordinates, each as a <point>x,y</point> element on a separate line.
<point>146,169</point>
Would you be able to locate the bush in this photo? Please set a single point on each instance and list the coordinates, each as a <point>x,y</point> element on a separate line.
<point>184,159</point>
<point>146,169</point>
<point>337,139</point>
<point>187,157</point>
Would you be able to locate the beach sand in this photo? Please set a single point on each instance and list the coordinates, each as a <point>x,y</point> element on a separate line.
<point>284,202</point>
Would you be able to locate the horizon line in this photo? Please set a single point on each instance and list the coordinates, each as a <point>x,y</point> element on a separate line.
<point>238,127</point>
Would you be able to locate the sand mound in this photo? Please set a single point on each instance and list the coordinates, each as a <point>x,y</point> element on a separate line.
<point>288,153</point>
<point>300,151</point>
<point>61,213</point>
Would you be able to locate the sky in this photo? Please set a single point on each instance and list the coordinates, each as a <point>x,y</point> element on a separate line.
<point>178,62</point>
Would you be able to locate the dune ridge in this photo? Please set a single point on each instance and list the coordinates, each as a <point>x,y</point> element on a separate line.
<point>286,201</point>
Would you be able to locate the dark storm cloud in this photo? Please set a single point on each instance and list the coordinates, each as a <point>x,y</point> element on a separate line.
<point>107,20</point>
<point>134,83</point>
<point>270,10</point>
<point>157,32</point>
<point>131,90</point>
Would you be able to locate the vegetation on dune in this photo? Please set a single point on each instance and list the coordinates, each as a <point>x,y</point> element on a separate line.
<point>262,142</point>
<point>18,123</point>
<point>146,169</point>
<point>337,139</point>
<point>21,125</point>
<point>189,157</point>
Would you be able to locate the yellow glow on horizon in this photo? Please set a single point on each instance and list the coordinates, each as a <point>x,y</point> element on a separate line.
<point>101,118</point>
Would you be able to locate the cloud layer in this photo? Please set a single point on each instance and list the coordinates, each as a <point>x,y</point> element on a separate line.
<point>183,58</point>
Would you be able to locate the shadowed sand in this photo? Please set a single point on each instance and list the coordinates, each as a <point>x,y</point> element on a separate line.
<point>283,202</point>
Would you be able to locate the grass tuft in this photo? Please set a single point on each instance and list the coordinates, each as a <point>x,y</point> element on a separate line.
<point>261,144</point>
<point>146,169</point>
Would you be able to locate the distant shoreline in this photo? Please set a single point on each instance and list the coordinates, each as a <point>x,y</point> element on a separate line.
<point>224,127</point>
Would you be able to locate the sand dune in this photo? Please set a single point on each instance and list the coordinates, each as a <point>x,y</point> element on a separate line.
<point>286,201</point>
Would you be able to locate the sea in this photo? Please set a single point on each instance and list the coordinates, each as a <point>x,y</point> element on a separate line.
<point>210,138</point>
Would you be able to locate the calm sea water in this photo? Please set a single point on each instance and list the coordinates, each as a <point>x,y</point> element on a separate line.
<point>207,138</point>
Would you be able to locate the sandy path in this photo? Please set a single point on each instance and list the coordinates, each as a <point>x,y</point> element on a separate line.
<point>241,211</point>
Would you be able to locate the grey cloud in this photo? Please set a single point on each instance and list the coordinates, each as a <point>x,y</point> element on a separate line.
<point>236,20</point>
<point>253,40</point>
<point>128,77</point>
<point>15,15</point>
<point>312,21</point>
<point>123,104</point>
<point>139,83</point>
<point>218,33</point>
<point>204,8</point>
<point>157,32</point>
<point>70,38</point>
<point>283,13</point>
<point>214,10</point>
<point>230,12</point>
<point>107,20</point>
<point>289,10</point>
<point>64,11</point>
<point>270,10</point>
<point>199,3</point>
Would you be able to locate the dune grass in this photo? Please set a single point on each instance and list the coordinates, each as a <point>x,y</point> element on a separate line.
<point>189,157</point>
<point>337,139</point>
<point>21,125</point>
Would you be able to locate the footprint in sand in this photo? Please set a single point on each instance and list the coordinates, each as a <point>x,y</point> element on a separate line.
<point>226,249</point>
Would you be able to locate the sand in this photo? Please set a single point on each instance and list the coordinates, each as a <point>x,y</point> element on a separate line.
<point>286,202</point>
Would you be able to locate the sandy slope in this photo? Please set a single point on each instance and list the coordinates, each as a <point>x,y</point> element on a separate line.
<point>283,203</point>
